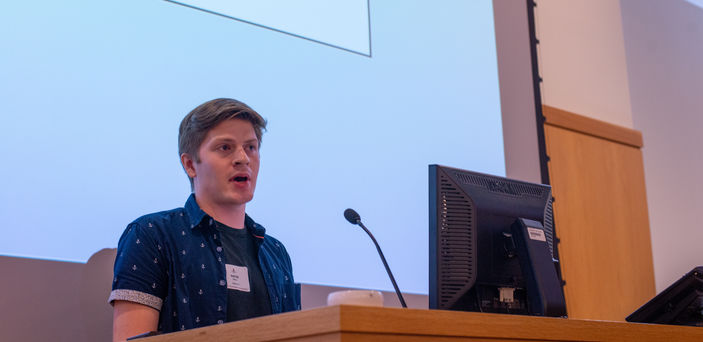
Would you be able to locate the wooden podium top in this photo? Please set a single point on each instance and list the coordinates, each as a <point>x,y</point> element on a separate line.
<point>356,323</point>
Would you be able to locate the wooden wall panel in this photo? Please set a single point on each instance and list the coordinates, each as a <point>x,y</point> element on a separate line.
<point>601,219</point>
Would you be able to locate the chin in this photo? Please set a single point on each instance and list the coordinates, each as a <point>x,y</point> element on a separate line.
<point>239,200</point>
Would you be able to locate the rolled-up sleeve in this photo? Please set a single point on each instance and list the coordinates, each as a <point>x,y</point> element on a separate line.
<point>140,268</point>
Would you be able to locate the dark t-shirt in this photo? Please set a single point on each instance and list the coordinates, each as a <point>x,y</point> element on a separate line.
<point>246,298</point>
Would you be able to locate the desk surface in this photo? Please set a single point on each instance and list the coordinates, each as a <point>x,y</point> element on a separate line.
<point>354,323</point>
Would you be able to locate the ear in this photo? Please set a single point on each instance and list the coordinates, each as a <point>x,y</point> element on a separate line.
<point>187,162</point>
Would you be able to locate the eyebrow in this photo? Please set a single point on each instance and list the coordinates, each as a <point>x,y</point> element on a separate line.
<point>226,139</point>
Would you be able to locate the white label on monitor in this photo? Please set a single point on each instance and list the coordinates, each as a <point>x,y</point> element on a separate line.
<point>536,234</point>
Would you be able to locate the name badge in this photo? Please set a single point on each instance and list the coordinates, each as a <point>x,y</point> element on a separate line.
<point>237,278</point>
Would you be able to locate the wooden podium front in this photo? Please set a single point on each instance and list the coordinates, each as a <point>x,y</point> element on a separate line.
<point>356,323</point>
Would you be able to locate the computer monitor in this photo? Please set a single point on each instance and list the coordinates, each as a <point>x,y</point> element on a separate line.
<point>492,245</point>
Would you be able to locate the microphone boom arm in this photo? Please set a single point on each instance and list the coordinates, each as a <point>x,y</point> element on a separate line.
<point>383,259</point>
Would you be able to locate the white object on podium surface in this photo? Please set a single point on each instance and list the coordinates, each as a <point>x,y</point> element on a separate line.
<point>355,297</point>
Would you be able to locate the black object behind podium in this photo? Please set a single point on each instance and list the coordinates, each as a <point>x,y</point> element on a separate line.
<point>679,304</point>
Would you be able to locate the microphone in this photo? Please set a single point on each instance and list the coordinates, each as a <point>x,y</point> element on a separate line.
<point>353,217</point>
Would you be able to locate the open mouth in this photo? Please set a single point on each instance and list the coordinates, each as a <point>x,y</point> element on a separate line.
<point>239,179</point>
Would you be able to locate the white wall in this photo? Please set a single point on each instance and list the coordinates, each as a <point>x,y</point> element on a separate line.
<point>517,98</point>
<point>664,44</point>
<point>44,300</point>
<point>582,58</point>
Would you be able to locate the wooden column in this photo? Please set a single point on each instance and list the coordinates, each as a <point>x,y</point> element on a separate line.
<point>600,209</point>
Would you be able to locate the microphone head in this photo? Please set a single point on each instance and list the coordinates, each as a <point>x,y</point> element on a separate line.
<point>352,216</point>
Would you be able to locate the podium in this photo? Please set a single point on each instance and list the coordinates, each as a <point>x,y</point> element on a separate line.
<point>356,323</point>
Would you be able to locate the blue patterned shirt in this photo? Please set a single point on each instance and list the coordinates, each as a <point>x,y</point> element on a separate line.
<point>173,261</point>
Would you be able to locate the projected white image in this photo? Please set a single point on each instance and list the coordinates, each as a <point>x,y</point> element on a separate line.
<point>93,93</point>
<point>343,24</point>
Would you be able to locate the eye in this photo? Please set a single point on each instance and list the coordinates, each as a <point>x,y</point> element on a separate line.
<point>252,147</point>
<point>225,147</point>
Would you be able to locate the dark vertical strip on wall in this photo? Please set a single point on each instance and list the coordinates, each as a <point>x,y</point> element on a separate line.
<point>539,116</point>
<point>536,81</point>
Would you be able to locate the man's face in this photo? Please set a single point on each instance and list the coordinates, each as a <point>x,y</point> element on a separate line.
<point>228,167</point>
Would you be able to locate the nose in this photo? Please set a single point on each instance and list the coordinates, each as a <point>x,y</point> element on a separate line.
<point>241,157</point>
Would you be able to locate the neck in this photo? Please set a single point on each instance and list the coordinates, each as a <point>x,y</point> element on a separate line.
<point>230,215</point>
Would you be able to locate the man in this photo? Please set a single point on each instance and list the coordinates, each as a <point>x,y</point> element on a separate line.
<point>208,262</point>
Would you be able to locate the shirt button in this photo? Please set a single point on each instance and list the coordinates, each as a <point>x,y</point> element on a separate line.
<point>219,249</point>
<point>222,283</point>
<point>219,321</point>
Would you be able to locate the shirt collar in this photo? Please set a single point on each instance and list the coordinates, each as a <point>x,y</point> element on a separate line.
<point>254,228</point>
<point>197,215</point>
